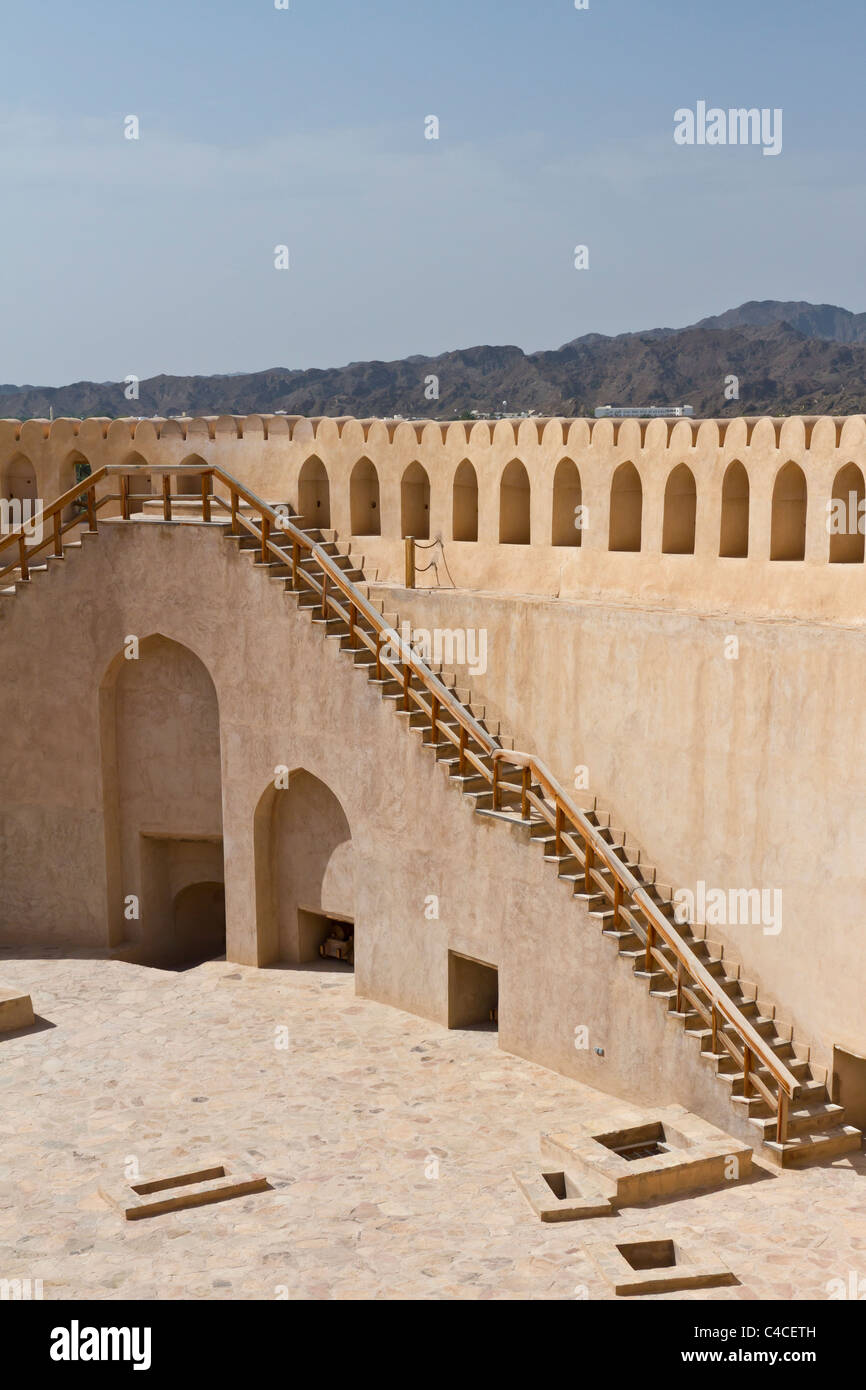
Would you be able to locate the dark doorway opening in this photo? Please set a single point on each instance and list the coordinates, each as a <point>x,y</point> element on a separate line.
<point>199,927</point>
<point>473,993</point>
<point>849,1085</point>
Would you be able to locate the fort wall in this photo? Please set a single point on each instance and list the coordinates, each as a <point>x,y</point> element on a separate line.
<point>738,771</point>
<point>729,516</point>
<point>286,698</point>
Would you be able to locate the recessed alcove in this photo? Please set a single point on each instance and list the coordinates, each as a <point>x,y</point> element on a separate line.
<point>473,993</point>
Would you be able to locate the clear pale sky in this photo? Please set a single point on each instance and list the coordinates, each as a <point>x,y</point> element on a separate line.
<point>306,127</point>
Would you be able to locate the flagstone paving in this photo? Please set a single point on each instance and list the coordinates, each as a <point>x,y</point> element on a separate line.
<point>388,1141</point>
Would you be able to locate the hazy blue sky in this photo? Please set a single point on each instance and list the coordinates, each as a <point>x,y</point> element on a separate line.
<point>306,127</point>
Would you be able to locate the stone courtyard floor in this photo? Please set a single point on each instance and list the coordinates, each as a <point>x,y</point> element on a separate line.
<point>388,1141</point>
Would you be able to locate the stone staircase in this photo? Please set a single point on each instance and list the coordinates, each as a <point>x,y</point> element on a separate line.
<point>816,1126</point>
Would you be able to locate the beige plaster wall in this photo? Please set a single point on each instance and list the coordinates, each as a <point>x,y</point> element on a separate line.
<point>742,772</point>
<point>286,697</point>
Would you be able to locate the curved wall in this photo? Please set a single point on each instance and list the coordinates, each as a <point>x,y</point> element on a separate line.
<point>384,477</point>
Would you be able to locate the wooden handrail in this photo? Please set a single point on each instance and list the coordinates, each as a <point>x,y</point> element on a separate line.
<point>53,534</point>
<point>280,525</point>
<point>657,924</point>
<point>341,597</point>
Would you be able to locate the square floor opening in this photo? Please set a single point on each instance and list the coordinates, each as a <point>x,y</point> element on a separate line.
<point>644,1141</point>
<point>649,1254</point>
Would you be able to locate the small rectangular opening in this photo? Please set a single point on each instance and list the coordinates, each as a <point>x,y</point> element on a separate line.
<point>562,1186</point>
<point>649,1254</point>
<point>326,939</point>
<point>473,993</point>
<point>644,1141</point>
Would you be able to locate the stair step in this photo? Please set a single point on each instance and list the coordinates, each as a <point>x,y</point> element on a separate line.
<point>805,1120</point>
<point>508,816</point>
<point>801,1149</point>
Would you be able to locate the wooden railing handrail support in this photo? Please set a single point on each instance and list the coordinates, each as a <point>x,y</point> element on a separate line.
<point>720,1001</point>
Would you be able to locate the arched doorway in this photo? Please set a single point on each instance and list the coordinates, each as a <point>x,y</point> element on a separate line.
<point>846,517</point>
<point>74,469</point>
<point>305,879</point>
<point>162,801</point>
<point>18,480</point>
<point>314,495</point>
<point>681,502</point>
<point>626,508</point>
<point>564,529</point>
<point>364,499</point>
<point>189,484</point>
<point>514,505</point>
<point>139,484</point>
<point>415,503</point>
<point>788,525</point>
<point>734,530</point>
<point>464,517</point>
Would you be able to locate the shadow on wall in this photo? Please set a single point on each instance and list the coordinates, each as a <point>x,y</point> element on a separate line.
<point>199,932</point>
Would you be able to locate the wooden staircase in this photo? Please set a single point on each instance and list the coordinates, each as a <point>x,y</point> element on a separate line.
<point>751,1052</point>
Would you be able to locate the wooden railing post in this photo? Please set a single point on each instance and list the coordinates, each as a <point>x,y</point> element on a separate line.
<point>22,558</point>
<point>324,593</point>
<point>714,1045</point>
<point>295,562</point>
<point>617,902</point>
<point>58,536</point>
<point>782,1117</point>
<point>461,761</point>
<point>91,509</point>
<point>234,505</point>
<point>648,953</point>
<point>679,1005</point>
<point>747,1070</point>
<point>407,676</point>
<point>524,794</point>
<point>206,488</point>
<point>588,861</point>
<point>124,496</point>
<point>409,560</point>
<point>266,535</point>
<point>434,718</point>
<point>557,830</point>
<point>378,656</point>
<point>496,792</point>
<point>166,497</point>
<point>353,618</point>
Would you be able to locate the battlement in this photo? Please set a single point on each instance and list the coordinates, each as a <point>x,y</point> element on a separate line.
<point>762,516</point>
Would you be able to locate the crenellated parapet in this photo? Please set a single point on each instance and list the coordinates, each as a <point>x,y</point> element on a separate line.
<point>741,514</point>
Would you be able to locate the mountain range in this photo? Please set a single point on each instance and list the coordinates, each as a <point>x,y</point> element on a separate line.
<point>789,357</point>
